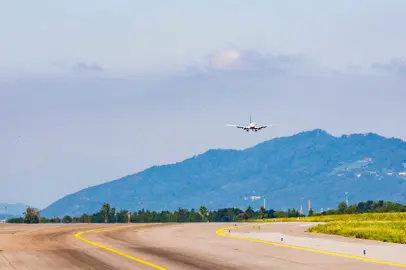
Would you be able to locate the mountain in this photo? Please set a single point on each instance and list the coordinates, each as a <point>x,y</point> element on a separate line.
<point>289,171</point>
<point>12,210</point>
<point>5,216</point>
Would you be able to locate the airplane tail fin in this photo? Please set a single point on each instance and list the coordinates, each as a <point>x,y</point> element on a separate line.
<point>250,119</point>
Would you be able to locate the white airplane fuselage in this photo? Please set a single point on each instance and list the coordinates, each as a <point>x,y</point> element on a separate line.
<point>251,126</point>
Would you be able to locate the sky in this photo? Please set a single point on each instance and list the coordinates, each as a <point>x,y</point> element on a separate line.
<point>91,91</point>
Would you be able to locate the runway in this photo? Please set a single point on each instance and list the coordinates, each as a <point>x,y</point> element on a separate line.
<point>186,246</point>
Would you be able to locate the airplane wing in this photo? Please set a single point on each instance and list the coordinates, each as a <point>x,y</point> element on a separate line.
<point>264,126</point>
<point>237,126</point>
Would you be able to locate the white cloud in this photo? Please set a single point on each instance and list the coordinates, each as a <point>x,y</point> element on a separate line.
<point>249,60</point>
<point>227,59</point>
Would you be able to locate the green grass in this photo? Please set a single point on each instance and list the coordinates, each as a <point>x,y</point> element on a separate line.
<point>386,227</point>
<point>394,232</point>
<point>345,217</point>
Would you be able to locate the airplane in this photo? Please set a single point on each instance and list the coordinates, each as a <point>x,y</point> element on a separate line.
<point>251,126</point>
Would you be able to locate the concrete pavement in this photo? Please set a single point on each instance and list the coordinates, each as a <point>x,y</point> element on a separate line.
<point>175,246</point>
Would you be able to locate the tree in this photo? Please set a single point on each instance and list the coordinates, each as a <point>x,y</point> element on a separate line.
<point>44,220</point>
<point>281,214</point>
<point>15,220</point>
<point>85,218</point>
<point>154,216</point>
<point>351,209</point>
<point>122,216</point>
<point>182,214</point>
<point>293,213</point>
<point>342,207</point>
<point>67,219</point>
<point>197,217</point>
<point>112,215</point>
<point>141,216</point>
<point>31,215</point>
<point>243,216</point>
<point>134,217</point>
<point>250,212</point>
<point>105,212</point>
<point>55,220</point>
<point>271,213</point>
<point>262,210</point>
<point>109,214</point>
<point>164,216</point>
<point>76,220</point>
<point>97,218</point>
<point>203,211</point>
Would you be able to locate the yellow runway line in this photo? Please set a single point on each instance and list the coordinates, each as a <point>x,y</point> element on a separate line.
<point>79,236</point>
<point>221,232</point>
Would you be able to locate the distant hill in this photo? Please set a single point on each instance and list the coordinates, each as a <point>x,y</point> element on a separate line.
<point>12,209</point>
<point>289,171</point>
<point>5,216</point>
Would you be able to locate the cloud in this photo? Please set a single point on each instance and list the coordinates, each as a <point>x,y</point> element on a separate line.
<point>233,61</point>
<point>396,65</point>
<point>77,68</point>
<point>227,59</point>
<point>250,60</point>
<point>80,66</point>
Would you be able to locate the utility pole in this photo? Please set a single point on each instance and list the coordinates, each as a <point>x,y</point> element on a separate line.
<point>310,205</point>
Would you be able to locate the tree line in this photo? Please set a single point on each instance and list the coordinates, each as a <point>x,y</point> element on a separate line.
<point>108,214</point>
<point>379,206</point>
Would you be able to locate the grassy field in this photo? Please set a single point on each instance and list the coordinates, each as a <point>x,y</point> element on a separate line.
<point>387,227</point>
<point>388,231</point>
<point>353,217</point>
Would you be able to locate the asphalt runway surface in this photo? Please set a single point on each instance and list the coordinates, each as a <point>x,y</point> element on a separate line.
<point>188,246</point>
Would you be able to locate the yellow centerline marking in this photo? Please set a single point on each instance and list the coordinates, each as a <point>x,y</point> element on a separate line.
<point>221,232</point>
<point>79,236</point>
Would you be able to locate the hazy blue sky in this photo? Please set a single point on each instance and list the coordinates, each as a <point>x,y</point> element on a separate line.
<point>94,90</point>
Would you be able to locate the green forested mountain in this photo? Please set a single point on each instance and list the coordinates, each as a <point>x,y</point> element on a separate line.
<point>289,171</point>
